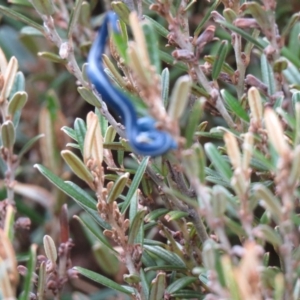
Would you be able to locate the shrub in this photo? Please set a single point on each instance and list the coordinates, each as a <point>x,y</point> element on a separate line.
<point>216,217</point>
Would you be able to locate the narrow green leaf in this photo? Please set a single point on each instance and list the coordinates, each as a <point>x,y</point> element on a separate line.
<point>217,160</point>
<point>264,162</point>
<point>152,45</point>
<point>86,201</point>
<point>147,260</point>
<point>103,280</point>
<point>17,102</point>
<point>220,59</point>
<point>27,287</point>
<point>226,68</point>
<point>267,74</point>
<point>295,100</point>
<point>180,283</point>
<point>44,7</point>
<point>229,14</point>
<point>122,10</point>
<point>117,188</point>
<point>139,239</point>
<point>82,198</point>
<point>19,84</point>
<point>206,17</point>
<point>294,42</point>
<point>121,44</point>
<point>114,72</point>
<point>135,182</point>
<point>234,105</point>
<point>70,132</point>
<point>169,59</point>
<point>74,17</point>
<point>242,33</point>
<point>179,97</point>
<point>85,14</point>
<point>193,122</point>
<point>8,134</point>
<point>145,284</point>
<point>155,214</point>
<point>259,14</point>
<point>175,215</point>
<point>52,57</point>
<point>292,74</point>
<point>167,256</point>
<point>20,2</point>
<point>106,259</point>
<point>92,228</point>
<point>30,31</point>
<point>158,27</point>
<point>110,135</point>
<point>271,202</point>
<point>19,17</point>
<point>88,96</point>
<point>291,56</point>
<point>188,294</point>
<point>136,226</point>
<point>165,86</point>
<point>80,131</point>
<point>165,268</point>
<point>268,234</point>
<point>77,166</point>
<point>158,287</point>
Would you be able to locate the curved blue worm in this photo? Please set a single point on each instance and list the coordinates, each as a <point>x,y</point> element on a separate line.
<point>141,133</point>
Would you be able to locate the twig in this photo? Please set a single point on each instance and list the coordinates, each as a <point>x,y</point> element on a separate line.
<point>240,64</point>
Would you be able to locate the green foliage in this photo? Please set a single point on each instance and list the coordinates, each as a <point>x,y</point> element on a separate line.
<point>216,218</point>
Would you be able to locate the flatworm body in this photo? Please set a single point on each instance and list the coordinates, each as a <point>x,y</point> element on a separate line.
<point>143,136</point>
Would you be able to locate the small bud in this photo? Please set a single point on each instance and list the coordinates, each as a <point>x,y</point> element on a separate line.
<point>17,102</point>
<point>118,188</point>
<point>121,9</point>
<point>247,150</point>
<point>270,202</point>
<point>205,37</point>
<point>179,98</point>
<point>22,270</point>
<point>219,200</point>
<point>209,255</point>
<point>275,132</point>
<point>246,23</point>
<point>77,166</point>
<point>93,142</point>
<point>268,234</point>
<point>9,78</point>
<point>110,134</point>
<point>8,134</point>
<point>233,150</point>
<point>280,65</point>
<point>42,280</point>
<point>158,286</point>
<point>136,63</point>
<point>64,50</point>
<point>88,96</point>
<point>23,223</point>
<point>183,54</point>
<point>255,82</point>
<point>50,249</point>
<point>255,105</point>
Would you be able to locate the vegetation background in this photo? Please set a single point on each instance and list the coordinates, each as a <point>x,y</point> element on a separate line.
<point>81,217</point>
